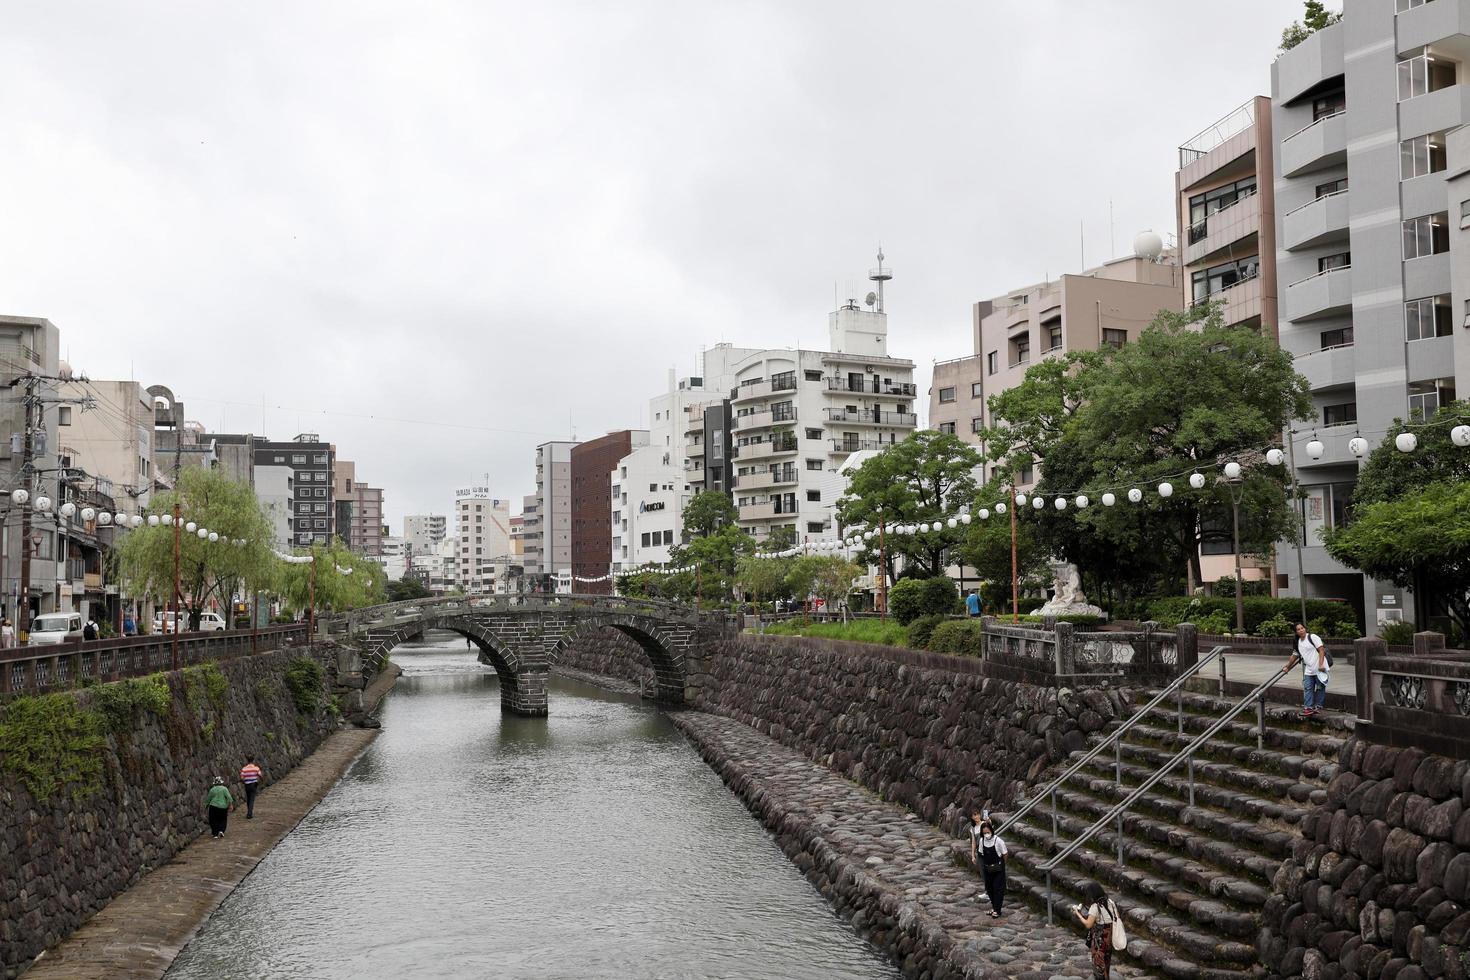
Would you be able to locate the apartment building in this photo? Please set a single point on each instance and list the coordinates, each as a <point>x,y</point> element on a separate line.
<point>594,464</point>
<point>301,470</point>
<point>799,414</point>
<point>105,436</point>
<point>357,510</point>
<point>482,530</point>
<point>1362,113</point>
<point>422,533</point>
<point>553,509</point>
<point>530,535</point>
<point>1225,203</point>
<point>1109,304</point>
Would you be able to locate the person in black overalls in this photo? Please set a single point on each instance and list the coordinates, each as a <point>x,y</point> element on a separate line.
<point>988,852</point>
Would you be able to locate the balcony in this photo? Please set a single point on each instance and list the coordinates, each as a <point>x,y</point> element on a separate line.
<point>1430,23</point>
<point>902,419</point>
<point>764,450</point>
<point>1316,223</point>
<point>1320,145</point>
<point>762,389</point>
<point>857,445</point>
<point>1224,228</point>
<point>1327,368</point>
<point>694,447</point>
<point>869,385</point>
<point>768,478</point>
<point>1320,295</point>
<point>761,420</point>
<point>758,512</point>
<point>1310,63</point>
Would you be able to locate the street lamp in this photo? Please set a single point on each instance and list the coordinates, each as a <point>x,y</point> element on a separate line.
<point>1235,484</point>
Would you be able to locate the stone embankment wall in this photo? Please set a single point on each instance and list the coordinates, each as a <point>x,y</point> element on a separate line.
<point>1379,885</point>
<point>921,729</point>
<point>101,785</point>
<point>611,654</point>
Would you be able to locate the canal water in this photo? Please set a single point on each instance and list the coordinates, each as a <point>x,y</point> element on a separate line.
<point>470,843</point>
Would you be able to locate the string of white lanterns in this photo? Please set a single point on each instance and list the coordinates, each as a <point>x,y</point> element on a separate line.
<point>601,578</point>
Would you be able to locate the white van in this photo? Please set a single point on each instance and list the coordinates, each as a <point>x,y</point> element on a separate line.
<point>56,628</point>
<point>208,623</point>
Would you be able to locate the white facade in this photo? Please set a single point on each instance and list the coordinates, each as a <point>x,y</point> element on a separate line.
<point>552,535</point>
<point>273,488</point>
<point>437,570</point>
<point>482,525</point>
<point>423,532</point>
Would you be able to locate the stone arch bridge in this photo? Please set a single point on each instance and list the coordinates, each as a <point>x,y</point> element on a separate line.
<point>523,636</point>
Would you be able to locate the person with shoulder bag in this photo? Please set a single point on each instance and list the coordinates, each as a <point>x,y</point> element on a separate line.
<point>988,852</point>
<point>1316,663</point>
<point>1104,928</point>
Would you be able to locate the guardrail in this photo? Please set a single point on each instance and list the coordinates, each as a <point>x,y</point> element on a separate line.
<point>1064,654</point>
<point>36,669</point>
<point>1419,698</point>
<point>521,603</point>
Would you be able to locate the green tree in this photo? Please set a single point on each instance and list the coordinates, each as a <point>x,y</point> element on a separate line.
<point>779,539</point>
<point>987,549</point>
<point>1403,525</point>
<point>709,511</point>
<point>827,577</point>
<point>208,570</point>
<point>405,589</point>
<point>1187,394</point>
<point>911,598</point>
<point>344,579</point>
<point>715,555</point>
<point>925,478</point>
<point>763,577</point>
<point>1315,17</point>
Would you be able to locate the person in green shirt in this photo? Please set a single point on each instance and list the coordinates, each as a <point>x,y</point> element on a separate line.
<point>220,803</point>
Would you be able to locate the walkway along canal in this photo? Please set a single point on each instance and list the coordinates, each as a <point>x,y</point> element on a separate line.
<point>470,842</point>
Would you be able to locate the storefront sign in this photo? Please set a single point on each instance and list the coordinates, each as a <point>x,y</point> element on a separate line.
<point>655,505</point>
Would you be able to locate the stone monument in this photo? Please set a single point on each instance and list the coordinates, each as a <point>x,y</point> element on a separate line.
<point>1067,599</point>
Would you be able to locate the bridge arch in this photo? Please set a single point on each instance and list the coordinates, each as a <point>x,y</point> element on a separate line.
<point>494,652</point>
<point>657,641</point>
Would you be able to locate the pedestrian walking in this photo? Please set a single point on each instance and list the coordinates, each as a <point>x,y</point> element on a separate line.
<point>89,631</point>
<point>7,634</point>
<point>250,776</point>
<point>130,625</point>
<point>1104,928</point>
<point>972,603</point>
<point>988,852</point>
<point>219,804</point>
<point>1316,663</point>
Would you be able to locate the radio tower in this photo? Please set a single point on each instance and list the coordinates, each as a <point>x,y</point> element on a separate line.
<point>880,275</point>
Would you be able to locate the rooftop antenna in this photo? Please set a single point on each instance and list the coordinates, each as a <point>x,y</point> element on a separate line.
<point>880,275</point>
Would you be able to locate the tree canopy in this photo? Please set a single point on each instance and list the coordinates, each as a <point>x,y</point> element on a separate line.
<point>208,570</point>
<point>709,511</point>
<point>827,577</point>
<point>923,479</point>
<point>1315,17</point>
<point>344,579</point>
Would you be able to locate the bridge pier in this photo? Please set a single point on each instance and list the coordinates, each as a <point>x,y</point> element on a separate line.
<point>527,696</point>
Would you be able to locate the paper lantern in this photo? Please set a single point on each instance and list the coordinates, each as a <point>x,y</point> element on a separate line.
<point>1109,500</point>
<point>1406,442</point>
<point>1081,501</point>
<point>1315,449</point>
<point>1357,445</point>
<point>1135,495</point>
<point>1275,457</point>
<point>1232,470</point>
<point>1060,503</point>
<point>1166,490</point>
<point>1197,480</point>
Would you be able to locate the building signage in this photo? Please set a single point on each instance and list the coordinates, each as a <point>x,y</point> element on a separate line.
<point>1388,599</point>
<point>655,505</point>
<point>475,492</point>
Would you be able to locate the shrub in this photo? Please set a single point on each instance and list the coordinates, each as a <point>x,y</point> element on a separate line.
<point>1224,587</point>
<point>911,598</point>
<point>1076,619</point>
<point>1277,625</point>
<point>304,679</point>
<point>1397,633</point>
<point>1172,610</point>
<point>1215,623</point>
<point>921,629</point>
<point>960,636</point>
<point>118,705</point>
<point>51,745</point>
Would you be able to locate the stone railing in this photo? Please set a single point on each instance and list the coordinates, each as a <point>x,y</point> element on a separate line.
<point>1419,699</point>
<point>1066,655</point>
<point>389,613</point>
<point>34,669</point>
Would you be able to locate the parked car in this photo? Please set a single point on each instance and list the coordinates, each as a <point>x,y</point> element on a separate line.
<point>51,628</point>
<point>211,623</point>
<point>208,623</point>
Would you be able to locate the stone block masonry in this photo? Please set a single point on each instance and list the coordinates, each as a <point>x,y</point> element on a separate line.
<point>129,790</point>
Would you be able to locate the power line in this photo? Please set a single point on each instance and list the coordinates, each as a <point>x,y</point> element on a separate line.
<point>387,418</point>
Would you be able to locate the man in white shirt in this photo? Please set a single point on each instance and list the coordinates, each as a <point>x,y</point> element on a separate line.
<point>1313,656</point>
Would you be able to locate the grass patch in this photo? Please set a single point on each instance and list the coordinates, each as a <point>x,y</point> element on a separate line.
<point>206,681</point>
<point>304,681</point>
<point>52,745</point>
<point>118,706</point>
<point>886,632</point>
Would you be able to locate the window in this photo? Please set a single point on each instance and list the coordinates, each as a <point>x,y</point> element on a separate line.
<point>320,459</point>
<point>976,391</point>
<point>814,433</point>
<point>1422,74</point>
<point>668,537</point>
<point>1341,337</point>
<point>1427,234</point>
<point>813,375</point>
<point>321,491</point>
<point>63,415</point>
<point>279,459</point>
<point>816,465</point>
<point>645,539</point>
<point>1201,206</point>
<point>1027,473</point>
<point>1465,214</point>
<point>1332,187</point>
<point>1425,397</point>
<point>1341,260</point>
<point>1400,6</point>
<point>1020,349</point>
<point>815,496</point>
<point>1426,318</point>
<point>1466,322</point>
<point>1340,414</point>
<point>1053,336</point>
<point>321,523</point>
<point>298,460</point>
<point>785,381</point>
<point>1114,338</point>
<point>977,423</point>
<point>815,527</point>
<point>1421,155</point>
<point>947,428</point>
<point>1208,282</point>
<point>992,362</point>
<point>1329,105</point>
<point>304,524</point>
<point>946,395</point>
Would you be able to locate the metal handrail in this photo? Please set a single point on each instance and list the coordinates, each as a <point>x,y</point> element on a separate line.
<point>1118,733</point>
<point>1116,813</point>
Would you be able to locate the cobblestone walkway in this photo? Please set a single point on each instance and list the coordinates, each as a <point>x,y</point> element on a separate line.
<point>142,930</point>
<point>893,846</point>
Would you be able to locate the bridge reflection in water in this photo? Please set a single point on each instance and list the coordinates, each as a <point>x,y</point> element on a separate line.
<point>523,636</point>
<point>468,844</point>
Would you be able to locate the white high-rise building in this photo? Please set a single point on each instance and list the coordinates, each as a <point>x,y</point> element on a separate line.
<point>423,532</point>
<point>482,525</point>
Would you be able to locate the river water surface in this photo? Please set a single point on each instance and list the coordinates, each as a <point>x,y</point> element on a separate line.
<point>470,843</point>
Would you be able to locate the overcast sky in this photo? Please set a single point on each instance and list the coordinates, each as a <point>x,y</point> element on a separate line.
<point>496,222</point>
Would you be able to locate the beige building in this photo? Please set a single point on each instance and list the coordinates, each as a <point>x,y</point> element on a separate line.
<point>107,441</point>
<point>1226,208</point>
<point>1109,304</point>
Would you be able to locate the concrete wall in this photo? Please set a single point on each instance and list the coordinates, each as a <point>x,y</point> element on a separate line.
<point>68,855</point>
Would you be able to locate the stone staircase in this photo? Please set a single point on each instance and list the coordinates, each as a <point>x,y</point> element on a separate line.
<point>1195,878</point>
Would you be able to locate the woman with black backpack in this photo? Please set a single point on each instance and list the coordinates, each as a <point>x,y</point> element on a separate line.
<point>988,852</point>
<point>1100,919</point>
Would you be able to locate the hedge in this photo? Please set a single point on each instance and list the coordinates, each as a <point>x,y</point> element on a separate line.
<point>959,636</point>
<point>1172,610</point>
<point>911,598</point>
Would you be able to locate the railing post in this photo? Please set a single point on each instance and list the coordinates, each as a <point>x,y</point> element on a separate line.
<point>1222,675</point>
<point>1186,645</point>
<point>1261,721</point>
<point>1428,643</point>
<point>1054,813</point>
<point>1065,652</point>
<point>1048,898</point>
<point>1364,650</point>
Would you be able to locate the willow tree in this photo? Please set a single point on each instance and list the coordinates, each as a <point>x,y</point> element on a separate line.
<point>343,579</point>
<point>208,570</point>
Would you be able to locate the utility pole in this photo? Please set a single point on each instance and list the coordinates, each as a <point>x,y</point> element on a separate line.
<point>1296,497</point>
<point>882,572</point>
<point>23,611</point>
<point>1015,575</point>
